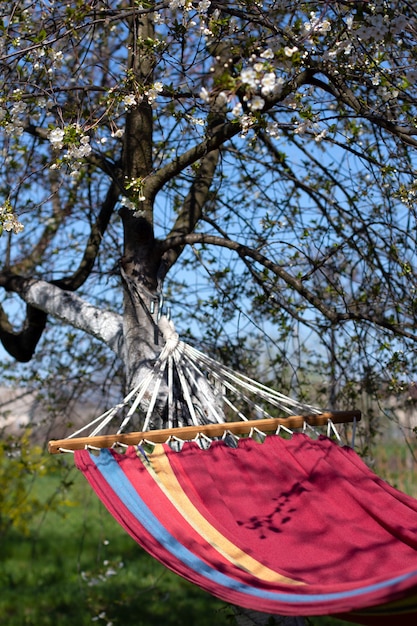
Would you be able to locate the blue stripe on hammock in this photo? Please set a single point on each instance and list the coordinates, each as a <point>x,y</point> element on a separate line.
<point>120,484</point>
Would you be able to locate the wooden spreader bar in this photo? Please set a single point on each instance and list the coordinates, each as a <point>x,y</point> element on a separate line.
<point>187,433</point>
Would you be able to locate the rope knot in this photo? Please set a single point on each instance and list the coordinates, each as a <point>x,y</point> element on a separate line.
<point>169,333</point>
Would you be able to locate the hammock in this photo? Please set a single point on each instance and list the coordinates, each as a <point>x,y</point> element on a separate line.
<point>290,526</point>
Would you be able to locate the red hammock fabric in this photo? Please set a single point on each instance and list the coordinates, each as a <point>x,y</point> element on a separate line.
<point>292,527</point>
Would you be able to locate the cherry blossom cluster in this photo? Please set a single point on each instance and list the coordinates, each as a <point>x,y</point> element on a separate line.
<point>13,119</point>
<point>260,81</point>
<point>196,9</point>
<point>8,221</point>
<point>47,60</point>
<point>188,5</point>
<point>77,145</point>
<point>135,187</point>
<point>262,74</point>
<point>259,73</point>
<point>134,99</point>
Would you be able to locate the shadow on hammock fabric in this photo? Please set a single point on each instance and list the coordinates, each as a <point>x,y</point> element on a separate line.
<point>290,526</point>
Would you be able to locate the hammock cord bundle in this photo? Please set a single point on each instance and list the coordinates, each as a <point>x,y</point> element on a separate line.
<point>207,391</point>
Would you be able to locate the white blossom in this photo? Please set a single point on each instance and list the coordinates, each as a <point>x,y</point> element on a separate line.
<point>57,58</point>
<point>376,31</point>
<point>18,107</point>
<point>321,135</point>
<point>325,26</point>
<point>13,129</point>
<point>248,77</point>
<point>203,6</point>
<point>267,54</point>
<point>290,51</point>
<point>256,103</point>
<point>237,110</point>
<point>153,92</point>
<point>302,127</point>
<point>399,24</point>
<point>273,129</point>
<point>411,75</point>
<point>198,121</point>
<point>246,121</point>
<point>268,83</point>
<point>222,98</point>
<point>347,47</point>
<point>127,203</point>
<point>315,25</point>
<point>180,4</point>
<point>129,100</point>
<point>8,224</point>
<point>157,18</point>
<point>56,137</point>
<point>204,95</point>
<point>80,151</point>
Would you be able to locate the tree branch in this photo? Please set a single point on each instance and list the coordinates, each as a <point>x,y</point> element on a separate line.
<point>74,281</point>
<point>331,314</point>
<point>58,215</point>
<point>192,208</point>
<point>21,346</point>
<point>216,136</point>
<point>44,298</point>
<point>219,136</point>
<point>338,88</point>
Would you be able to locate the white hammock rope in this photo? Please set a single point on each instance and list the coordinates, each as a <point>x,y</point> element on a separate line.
<point>185,388</point>
<point>170,392</point>
<point>224,373</point>
<point>189,367</point>
<point>233,381</point>
<point>191,391</point>
<point>190,372</point>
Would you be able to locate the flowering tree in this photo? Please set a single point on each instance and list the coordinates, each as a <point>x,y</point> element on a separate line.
<point>268,146</point>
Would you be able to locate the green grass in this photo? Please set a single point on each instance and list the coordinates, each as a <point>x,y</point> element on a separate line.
<point>396,462</point>
<point>76,565</point>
